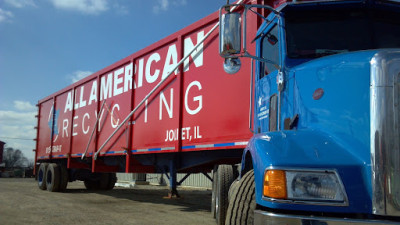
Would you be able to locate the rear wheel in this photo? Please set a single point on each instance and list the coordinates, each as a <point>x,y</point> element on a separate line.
<point>242,202</point>
<point>91,184</point>
<point>53,177</point>
<point>64,177</point>
<point>41,176</point>
<point>101,181</point>
<point>107,181</point>
<point>112,179</point>
<point>224,181</point>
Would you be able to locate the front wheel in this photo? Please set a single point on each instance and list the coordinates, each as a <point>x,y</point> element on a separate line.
<point>242,203</point>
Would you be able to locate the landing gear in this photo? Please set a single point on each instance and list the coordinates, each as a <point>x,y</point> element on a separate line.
<point>173,192</point>
<point>223,177</point>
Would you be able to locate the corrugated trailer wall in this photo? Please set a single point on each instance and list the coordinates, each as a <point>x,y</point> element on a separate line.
<point>194,180</point>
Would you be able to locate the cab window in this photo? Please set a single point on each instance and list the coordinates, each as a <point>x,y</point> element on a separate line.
<point>270,51</point>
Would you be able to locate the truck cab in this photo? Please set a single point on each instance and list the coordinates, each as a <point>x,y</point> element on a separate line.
<point>324,113</point>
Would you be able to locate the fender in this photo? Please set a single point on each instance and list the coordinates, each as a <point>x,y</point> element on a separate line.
<point>310,149</point>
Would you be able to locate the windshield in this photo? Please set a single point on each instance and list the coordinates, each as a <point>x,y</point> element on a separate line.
<point>312,34</point>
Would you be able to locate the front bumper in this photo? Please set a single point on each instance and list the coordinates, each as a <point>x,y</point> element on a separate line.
<point>266,218</point>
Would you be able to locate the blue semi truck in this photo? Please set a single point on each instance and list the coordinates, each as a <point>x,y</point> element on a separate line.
<point>325,115</point>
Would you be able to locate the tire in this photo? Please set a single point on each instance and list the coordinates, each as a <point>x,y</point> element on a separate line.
<point>104,179</point>
<point>53,177</point>
<point>41,176</point>
<point>214,190</point>
<point>64,177</point>
<point>224,181</point>
<point>107,181</point>
<point>232,189</point>
<point>92,184</point>
<point>112,179</point>
<point>243,203</point>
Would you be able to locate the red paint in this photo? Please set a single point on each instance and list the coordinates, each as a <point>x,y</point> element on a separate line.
<point>199,106</point>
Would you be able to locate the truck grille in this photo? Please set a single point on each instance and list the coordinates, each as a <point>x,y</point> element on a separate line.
<point>385,132</point>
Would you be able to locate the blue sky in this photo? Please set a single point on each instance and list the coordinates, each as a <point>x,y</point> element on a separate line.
<point>45,45</point>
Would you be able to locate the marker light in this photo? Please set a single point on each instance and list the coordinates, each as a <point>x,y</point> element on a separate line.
<point>275,184</point>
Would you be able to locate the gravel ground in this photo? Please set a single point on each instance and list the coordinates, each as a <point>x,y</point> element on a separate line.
<point>22,202</point>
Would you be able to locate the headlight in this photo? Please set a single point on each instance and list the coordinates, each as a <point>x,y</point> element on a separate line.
<point>304,186</point>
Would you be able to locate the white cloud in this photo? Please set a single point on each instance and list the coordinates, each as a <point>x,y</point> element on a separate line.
<point>24,106</point>
<point>163,5</point>
<point>20,3</point>
<point>17,127</point>
<point>78,75</point>
<point>92,7</point>
<point>179,2</point>
<point>5,16</point>
<point>120,9</point>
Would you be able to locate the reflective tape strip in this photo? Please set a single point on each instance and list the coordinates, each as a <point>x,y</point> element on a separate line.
<point>113,152</point>
<point>218,145</point>
<point>153,149</point>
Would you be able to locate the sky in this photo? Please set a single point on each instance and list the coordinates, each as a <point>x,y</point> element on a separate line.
<point>46,45</point>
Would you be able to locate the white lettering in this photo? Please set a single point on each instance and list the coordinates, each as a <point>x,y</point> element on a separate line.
<point>113,118</point>
<point>197,98</point>
<point>140,78</point>
<point>117,81</point>
<point>65,127</point>
<point>74,125</point>
<point>93,93</point>
<point>83,123</point>
<point>163,99</point>
<point>168,65</point>
<point>101,116</point>
<point>82,103</point>
<point>68,102</point>
<point>106,88</point>
<point>197,55</point>
<point>150,78</point>
<point>128,78</point>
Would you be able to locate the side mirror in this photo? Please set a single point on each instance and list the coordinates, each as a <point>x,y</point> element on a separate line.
<point>230,35</point>
<point>232,65</point>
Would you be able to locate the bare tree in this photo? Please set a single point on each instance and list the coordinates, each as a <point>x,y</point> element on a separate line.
<point>14,158</point>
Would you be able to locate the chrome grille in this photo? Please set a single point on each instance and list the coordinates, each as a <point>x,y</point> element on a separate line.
<point>385,134</point>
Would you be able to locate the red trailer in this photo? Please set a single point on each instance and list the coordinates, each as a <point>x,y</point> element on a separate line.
<point>168,108</point>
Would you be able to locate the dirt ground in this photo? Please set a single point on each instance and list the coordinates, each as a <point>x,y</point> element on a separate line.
<point>22,202</point>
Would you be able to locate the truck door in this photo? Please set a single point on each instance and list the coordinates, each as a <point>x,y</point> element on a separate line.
<point>266,90</point>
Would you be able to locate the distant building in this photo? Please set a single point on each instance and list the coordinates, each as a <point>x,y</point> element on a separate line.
<point>1,151</point>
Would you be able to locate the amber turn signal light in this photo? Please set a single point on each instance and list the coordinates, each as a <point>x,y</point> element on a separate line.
<point>275,184</point>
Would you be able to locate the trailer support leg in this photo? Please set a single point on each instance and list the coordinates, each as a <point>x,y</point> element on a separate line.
<point>173,192</point>
<point>205,174</point>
